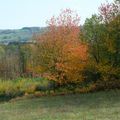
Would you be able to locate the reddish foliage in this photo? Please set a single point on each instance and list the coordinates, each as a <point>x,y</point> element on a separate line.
<point>61,51</point>
<point>109,11</point>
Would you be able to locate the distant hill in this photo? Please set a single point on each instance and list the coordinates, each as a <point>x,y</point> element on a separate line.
<point>19,35</point>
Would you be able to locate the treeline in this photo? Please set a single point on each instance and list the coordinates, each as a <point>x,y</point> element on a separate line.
<point>70,55</point>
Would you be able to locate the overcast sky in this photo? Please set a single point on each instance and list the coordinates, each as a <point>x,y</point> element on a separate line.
<point>16,14</point>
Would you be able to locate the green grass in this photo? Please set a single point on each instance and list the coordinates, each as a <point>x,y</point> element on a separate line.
<point>92,106</point>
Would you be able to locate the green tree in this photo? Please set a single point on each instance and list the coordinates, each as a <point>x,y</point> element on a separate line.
<point>102,33</point>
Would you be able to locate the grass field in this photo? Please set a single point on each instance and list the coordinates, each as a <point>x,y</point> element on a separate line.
<point>92,106</point>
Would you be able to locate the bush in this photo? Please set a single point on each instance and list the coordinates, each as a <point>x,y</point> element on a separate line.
<point>13,88</point>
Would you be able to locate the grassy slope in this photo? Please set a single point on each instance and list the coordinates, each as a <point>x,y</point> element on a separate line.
<point>92,106</point>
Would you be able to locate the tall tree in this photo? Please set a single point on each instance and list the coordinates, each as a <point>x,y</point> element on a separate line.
<point>103,36</point>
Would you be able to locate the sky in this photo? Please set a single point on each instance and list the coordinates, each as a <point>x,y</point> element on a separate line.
<point>15,14</point>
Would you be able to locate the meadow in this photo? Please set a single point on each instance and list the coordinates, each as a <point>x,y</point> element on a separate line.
<point>91,106</point>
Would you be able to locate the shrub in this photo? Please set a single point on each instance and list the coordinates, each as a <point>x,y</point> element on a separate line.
<point>21,86</point>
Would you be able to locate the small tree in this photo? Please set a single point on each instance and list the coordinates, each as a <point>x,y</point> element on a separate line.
<point>59,51</point>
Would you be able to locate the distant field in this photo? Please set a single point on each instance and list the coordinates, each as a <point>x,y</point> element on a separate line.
<point>92,106</point>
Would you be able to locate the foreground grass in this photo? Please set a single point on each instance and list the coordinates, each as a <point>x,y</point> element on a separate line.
<point>92,106</point>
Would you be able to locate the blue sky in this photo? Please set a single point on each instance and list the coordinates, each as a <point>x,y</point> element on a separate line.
<point>16,14</point>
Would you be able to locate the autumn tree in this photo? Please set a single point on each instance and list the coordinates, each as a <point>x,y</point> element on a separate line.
<point>60,53</point>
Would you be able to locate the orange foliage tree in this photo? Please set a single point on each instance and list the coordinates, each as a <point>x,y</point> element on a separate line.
<point>61,54</point>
